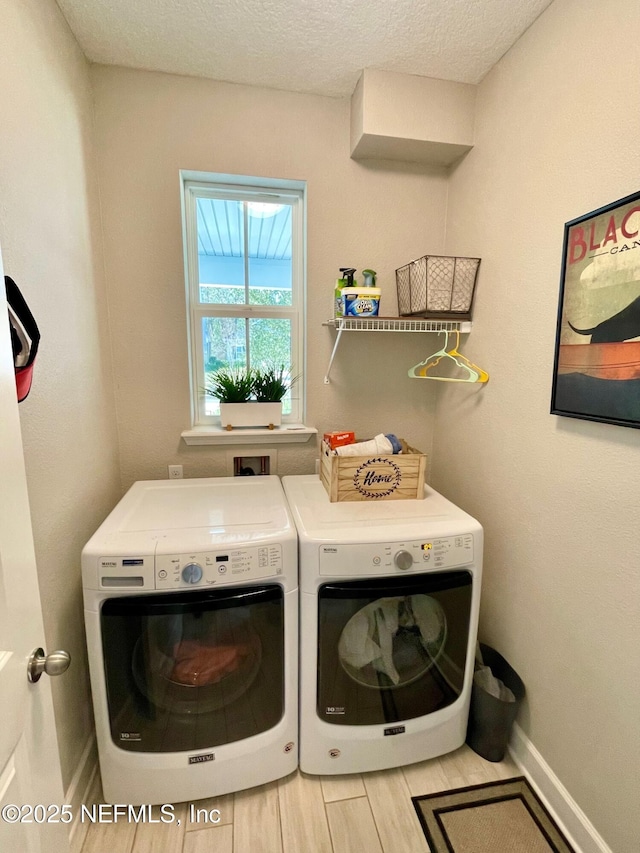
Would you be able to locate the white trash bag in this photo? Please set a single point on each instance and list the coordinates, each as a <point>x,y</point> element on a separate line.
<point>485,679</point>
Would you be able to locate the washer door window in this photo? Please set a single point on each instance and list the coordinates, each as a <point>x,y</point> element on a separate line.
<point>188,671</point>
<point>392,650</point>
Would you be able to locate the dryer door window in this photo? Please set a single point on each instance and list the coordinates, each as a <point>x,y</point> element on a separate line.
<point>188,671</point>
<point>392,650</point>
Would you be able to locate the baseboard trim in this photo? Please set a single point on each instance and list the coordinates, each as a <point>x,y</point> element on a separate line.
<point>80,786</point>
<point>578,829</point>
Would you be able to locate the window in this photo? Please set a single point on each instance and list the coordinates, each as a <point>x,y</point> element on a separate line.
<point>244,241</point>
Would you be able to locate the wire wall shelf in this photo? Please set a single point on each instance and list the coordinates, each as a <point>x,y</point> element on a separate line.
<point>389,324</point>
<point>397,324</point>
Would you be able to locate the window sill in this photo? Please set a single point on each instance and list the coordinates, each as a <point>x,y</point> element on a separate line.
<point>285,434</point>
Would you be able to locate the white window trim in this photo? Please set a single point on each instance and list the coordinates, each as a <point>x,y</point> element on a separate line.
<point>205,430</point>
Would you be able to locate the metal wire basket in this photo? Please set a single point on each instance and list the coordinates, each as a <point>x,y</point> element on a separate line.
<point>437,286</point>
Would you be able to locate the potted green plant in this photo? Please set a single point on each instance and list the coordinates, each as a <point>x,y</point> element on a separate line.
<point>231,385</point>
<point>271,384</point>
<point>250,397</point>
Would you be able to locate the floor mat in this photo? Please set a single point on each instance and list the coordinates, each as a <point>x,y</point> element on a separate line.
<point>491,818</point>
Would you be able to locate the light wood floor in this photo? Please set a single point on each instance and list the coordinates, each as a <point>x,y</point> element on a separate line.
<point>364,813</point>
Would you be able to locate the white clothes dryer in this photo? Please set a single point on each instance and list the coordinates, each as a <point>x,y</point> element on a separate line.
<point>389,601</point>
<point>191,611</point>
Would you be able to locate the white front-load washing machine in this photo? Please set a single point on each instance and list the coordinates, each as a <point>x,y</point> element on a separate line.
<point>191,612</point>
<point>389,601</point>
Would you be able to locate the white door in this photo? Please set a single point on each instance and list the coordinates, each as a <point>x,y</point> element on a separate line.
<point>29,763</point>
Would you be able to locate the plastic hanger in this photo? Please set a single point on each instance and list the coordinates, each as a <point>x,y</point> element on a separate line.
<point>483,376</point>
<point>473,373</point>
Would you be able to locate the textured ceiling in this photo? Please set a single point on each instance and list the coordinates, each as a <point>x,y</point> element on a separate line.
<point>318,46</point>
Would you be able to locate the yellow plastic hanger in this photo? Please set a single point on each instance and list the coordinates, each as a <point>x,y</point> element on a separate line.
<point>483,376</point>
<point>473,372</point>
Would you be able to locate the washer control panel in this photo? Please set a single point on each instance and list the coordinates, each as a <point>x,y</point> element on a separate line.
<point>384,558</point>
<point>187,571</point>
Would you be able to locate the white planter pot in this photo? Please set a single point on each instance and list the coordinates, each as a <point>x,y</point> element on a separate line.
<point>250,415</point>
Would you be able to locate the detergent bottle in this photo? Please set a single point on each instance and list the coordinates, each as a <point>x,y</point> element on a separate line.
<point>346,280</point>
<point>362,301</point>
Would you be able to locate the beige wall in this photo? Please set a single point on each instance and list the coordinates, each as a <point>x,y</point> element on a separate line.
<point>149,126</point>
<point>556,136</point>
<point>50,238</point>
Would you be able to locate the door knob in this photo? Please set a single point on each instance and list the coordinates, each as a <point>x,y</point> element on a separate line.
<point>54,663</point>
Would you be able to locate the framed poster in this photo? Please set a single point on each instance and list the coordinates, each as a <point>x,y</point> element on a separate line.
<point>596,373</point>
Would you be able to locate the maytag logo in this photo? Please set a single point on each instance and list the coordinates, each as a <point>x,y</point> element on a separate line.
<point>199,759</point>
<point>394,730</point>
<point>329,549</point>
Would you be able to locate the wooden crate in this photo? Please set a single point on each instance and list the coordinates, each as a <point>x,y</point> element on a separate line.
<point>373,478</point>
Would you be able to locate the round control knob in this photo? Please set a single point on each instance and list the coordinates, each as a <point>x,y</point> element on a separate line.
<point>192,573</point>
<point>403,560</point>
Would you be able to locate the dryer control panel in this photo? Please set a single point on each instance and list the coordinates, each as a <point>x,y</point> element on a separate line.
<point>208,568</point>
<point>384,558</point>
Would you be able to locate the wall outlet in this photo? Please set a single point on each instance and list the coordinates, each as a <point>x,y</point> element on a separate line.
<point>175,472</point>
